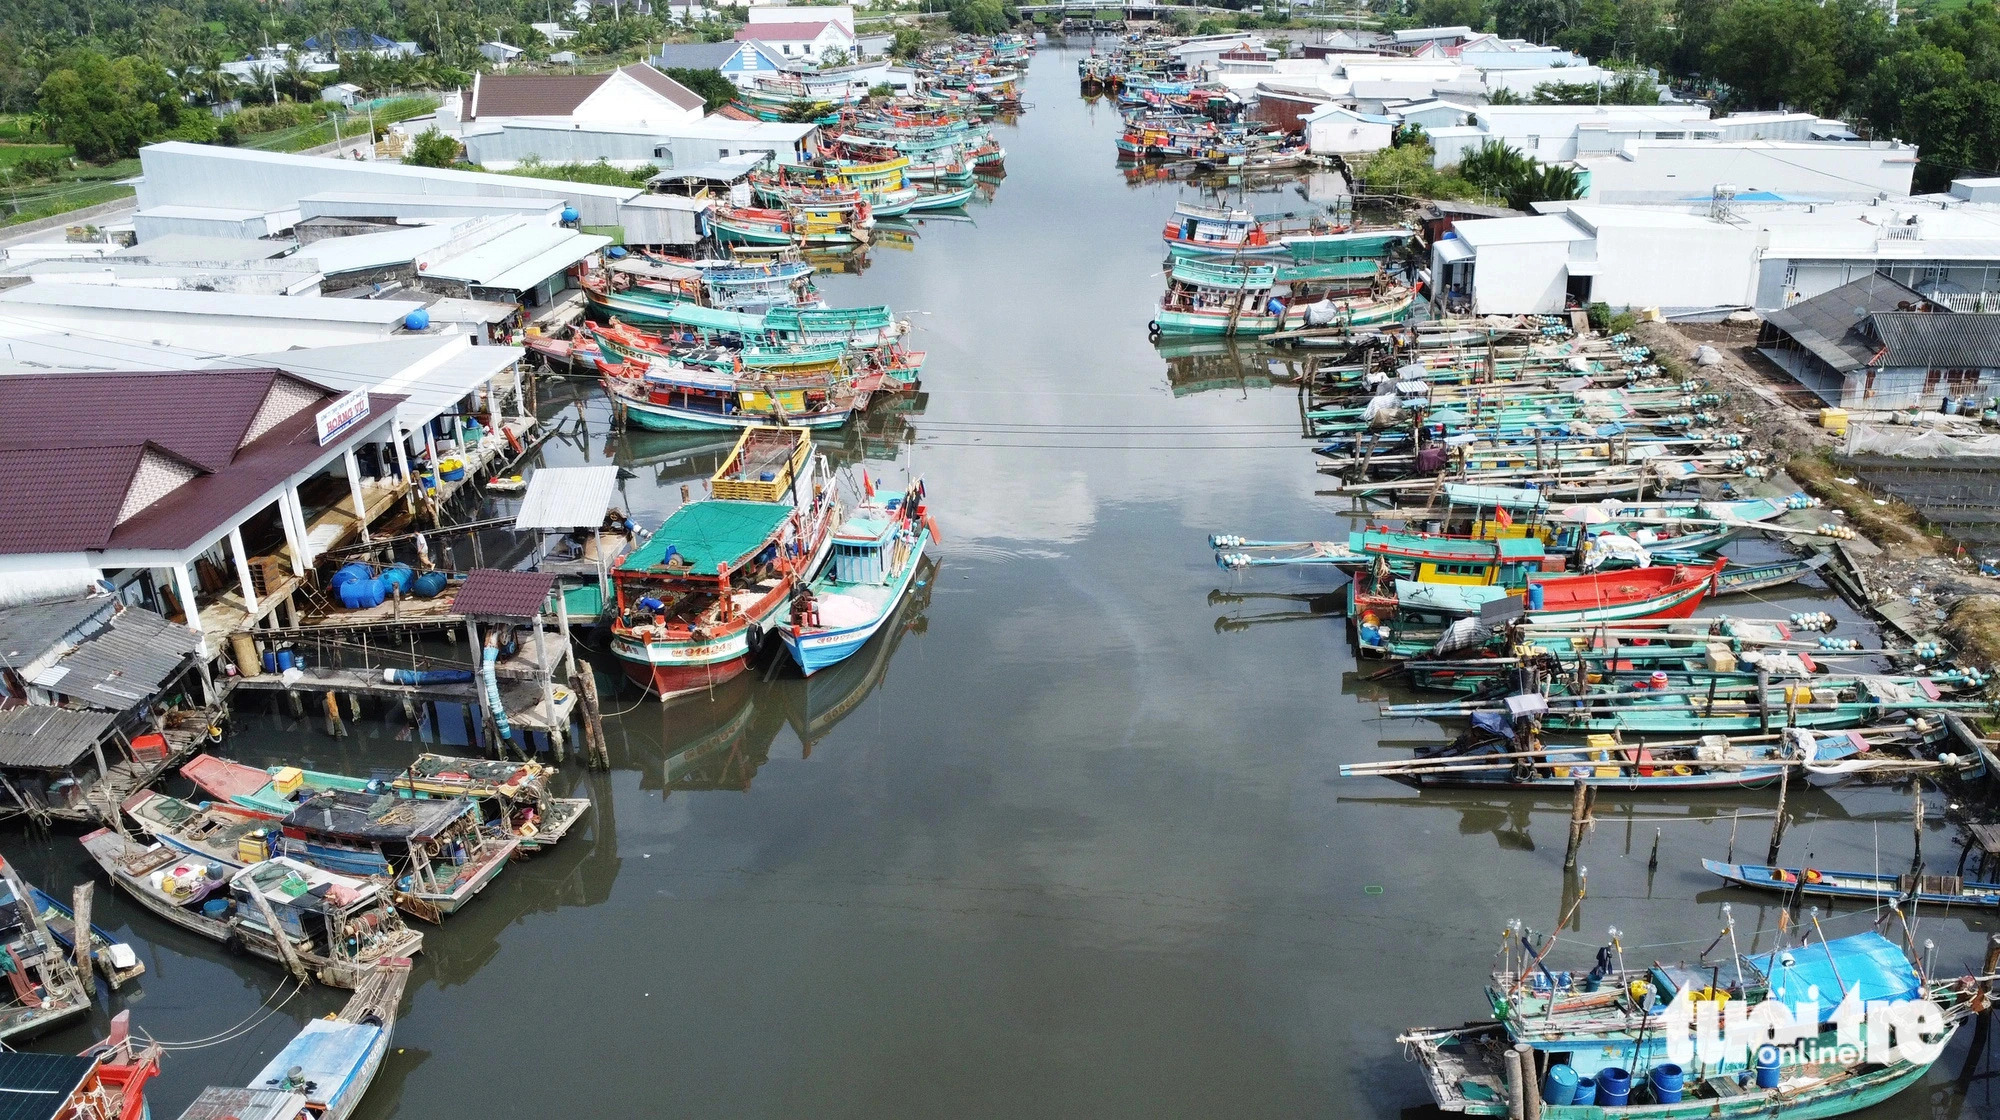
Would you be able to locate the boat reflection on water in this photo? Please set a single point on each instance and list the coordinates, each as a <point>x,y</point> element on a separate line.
<point>1301,607</point>
<point>722,745</point>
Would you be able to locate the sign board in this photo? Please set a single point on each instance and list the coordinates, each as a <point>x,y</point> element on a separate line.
<point>350,409</point>
<point>1506,608</point>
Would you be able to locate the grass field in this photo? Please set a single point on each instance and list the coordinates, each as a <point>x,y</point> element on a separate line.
<point>11,154</point>
<point>353,127</point>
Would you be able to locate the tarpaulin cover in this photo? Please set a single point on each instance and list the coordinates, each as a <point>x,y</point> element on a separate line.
<point>1867,963</point>
<point>707,534</point>
<point>328,1052</point>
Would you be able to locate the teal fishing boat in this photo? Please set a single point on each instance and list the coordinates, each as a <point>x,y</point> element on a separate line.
<point>1595,1047</point>
<point>876,555</point>
<point>1871,887</point>
<point>1206,297</point>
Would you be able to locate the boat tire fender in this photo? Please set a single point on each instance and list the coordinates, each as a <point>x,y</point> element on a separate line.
<point>1153,329</point>
<point>233,944</point>
<point>753,642</point>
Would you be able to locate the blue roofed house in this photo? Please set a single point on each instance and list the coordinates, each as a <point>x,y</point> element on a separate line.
<point>353,40</point>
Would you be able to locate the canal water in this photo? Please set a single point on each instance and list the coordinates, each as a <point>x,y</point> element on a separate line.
<point>1071,840</point>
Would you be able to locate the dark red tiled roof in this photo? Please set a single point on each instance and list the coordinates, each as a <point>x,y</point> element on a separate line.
<point>664,86</point>
<point>503,594</point>
<point>200,416</point>
<point>70,445</point>
<point>734,113</point>
<point>87,483</point>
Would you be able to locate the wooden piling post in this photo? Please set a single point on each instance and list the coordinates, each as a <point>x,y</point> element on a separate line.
<point>1778,822</point>
<point>334,726</point>
<point>593,718</point>
<point>1531,1082</point>
<point>79,906</point>
<point>1982,1024</point>
<point>1515,1101</point>
<point>1578,800</point>
<point>1653,861</point>
<point>1763,701</point>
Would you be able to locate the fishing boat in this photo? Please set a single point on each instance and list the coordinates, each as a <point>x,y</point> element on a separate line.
<point>695,603</point>
<point>1206,297</point>
<point>1214,231</point>
<point>114,959</point>
<point>331,1062</point>
<point>435,854</point>
<point>1603,1025</point>
<point>840,218</point>
<point>512,794</point>
<point>336,928</point>
<point>106,1082</point>
<point>1873,887</point>
<point>1495,753</point>
<point>670,396</point>
<point>42,988</point>
<point>876,554</point>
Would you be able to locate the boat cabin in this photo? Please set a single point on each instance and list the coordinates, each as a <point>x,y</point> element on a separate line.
<point>345,919</point>
<point>436,850</point>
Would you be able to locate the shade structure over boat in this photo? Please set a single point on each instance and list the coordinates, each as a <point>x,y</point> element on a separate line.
<point>718,532</point>
<point>567,497</point>
<point>1585,514</point>
<point>328,1054</point>
<point>1867,964</point>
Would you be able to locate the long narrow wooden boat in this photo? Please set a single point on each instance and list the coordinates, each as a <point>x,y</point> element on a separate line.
<point>697,601</point>
<point>668,397</point>
<point>114,959</point>
<point>1874,887</point>
<point>876,555</point>
<point>339,929</point>
<point>1603,1025</point>
<point>332,1061</point>
<point>42,989</point>
<point>509,793</point>
<point>833,221</point>
<point>1203,297</point>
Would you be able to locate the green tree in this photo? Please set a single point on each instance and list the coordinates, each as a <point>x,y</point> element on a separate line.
<point>1505,96</point>
<point>715,90</point>
<point>978,17</point>
<point>907,42</point>
<point>803,111</point>
<point>1828,50</point>
<point>1545,184</point>
<point>106,109</point>
<point>833,58</point>
<point>432,148</point>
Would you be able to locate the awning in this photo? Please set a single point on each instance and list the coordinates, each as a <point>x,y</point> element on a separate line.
<point>1451,250</point>
<point>1582,268</point>
<point>125,665</point>
<point>567,497</point>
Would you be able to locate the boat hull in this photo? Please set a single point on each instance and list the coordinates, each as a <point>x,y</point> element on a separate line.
<point>667,418</point>
<point>820,649</point>
<point>1218,322</point>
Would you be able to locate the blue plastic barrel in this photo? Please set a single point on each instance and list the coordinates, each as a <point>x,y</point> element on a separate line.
<point>358,593</point>
<point>1586,1091</point>
<point>1614,1086</point>
<point>270,662</point>
<point>1534,596</point>
<point>349,572</point>
<point>284,660</point>
<point>1666,1079</point>
<point>430,584</point>
<point>1559,1085</point>
<point>397,577</point>
<point>215,907</point>
<point>1767,1067</point>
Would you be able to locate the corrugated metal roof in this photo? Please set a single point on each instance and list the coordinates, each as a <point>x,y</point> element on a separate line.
<point>567,497</point>
<point>519,259</point>
<point>430,372</point>
<point>377,250</point>
<point>39,1086</point>
<point>1938,340</point>
<point>1828,325</point>
<point>503,594</point>
<point>38,738</point>
<point>124,665</point>
<point>209,303</point>
<point>192,247</point>
<point>27,631</point>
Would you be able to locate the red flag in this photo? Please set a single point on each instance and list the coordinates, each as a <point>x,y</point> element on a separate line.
<point>1502,517</point>
<point>867,485</point>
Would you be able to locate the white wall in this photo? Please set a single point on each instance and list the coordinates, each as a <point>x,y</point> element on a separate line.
<point>623,100</point>
<point>842,14</point>
<point>1519,278</point>
<point>1339,133</point>
<point>1708,264</point>
<point>229,334</point>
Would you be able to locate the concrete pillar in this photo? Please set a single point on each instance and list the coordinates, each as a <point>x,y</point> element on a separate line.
<point>184,587</point>
<point>493,405</point>
<point>410,485</point>
<point>520,398</point>
<point>243,571</point>
<point>354,488</point>
<point>290,517</point>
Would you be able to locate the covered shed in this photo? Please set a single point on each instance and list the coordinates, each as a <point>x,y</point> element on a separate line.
<point>1874,343</point>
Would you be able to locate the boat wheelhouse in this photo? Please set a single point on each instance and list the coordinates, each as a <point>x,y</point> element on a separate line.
<point>1230,232</point>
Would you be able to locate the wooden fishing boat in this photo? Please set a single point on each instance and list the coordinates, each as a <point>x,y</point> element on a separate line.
<point>106,1082</point>
<point>1215,231</point>
<point>435,855</point>
<point>1763,577</point>
<point>843,220</point>
<point>695,604</point>
<point>876,555</point>
<point>1205,297</point>
<point>332,1061</point>
<point>512,794</point>
<point>42,989</point>
<point>335,928</point>
<point>1875,888</point>
<point>1667,591</point>
<point>1602,1025</point>
<point>114,960</point>
<point>667,396</point>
